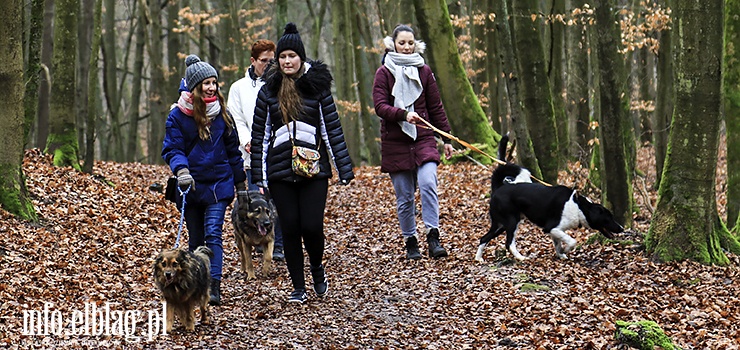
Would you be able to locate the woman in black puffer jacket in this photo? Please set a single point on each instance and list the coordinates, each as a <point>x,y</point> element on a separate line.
<point>296,103</point>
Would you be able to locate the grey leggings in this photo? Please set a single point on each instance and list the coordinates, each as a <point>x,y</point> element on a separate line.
<point>405,183</point>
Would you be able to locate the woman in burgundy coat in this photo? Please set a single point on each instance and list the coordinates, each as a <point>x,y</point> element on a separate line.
<point>405,92</point>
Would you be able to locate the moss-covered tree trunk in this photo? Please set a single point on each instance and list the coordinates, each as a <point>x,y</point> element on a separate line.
<point>577,98</point>
<point>525,150</point>
<point>686,224</point>
<point>33,67</point>
<point>467,119</point>
<point>616,177</point>
<point>85,25</point>
<point>732,107</point>
<point>13,195</point>
<point>62,141</point>
<point>536,95</point>
<point>664,98</point>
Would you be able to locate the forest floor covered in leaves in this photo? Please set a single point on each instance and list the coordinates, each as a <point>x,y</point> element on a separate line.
<point>98,236</point>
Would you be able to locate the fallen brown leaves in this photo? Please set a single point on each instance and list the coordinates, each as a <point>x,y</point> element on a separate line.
<point>95,244</point>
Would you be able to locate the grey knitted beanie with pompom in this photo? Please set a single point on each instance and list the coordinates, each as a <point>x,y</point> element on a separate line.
<point>197,71</point>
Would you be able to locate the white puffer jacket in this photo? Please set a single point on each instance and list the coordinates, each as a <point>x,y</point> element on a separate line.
<point>241,101</point>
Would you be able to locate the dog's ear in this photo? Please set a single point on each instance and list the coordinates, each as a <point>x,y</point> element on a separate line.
<point>157,261</point>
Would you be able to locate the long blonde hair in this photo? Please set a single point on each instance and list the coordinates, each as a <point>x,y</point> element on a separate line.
<point>291,103</point>
<point>199,113</point>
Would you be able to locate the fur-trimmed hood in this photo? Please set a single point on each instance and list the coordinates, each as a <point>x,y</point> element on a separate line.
<point>314,81</point>
<point>389,45</point>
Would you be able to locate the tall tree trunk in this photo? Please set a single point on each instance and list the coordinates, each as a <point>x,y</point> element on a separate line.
<point>525,149</point>
<point>644,74</point>
<point>467,119</point>
<point>577,100</point>
<point>47,49</point>
<point>318,25</point>
<point>369,126</point>
<point>132,138</point>
<point>110,80</point>
<point>33,68</point>
<point>93,99</point>
<point>493,68</point>
<point>535,87</point>
<point>617,184</point>
<point>732,107</point>
<point>62,142</point>
<point>175,69</point>
<point>686,224</point>
<point>85,31</point>
<point>557,77</point>
<point>13,195</point>
<point>281,16</point>
<point>665,97</point>
<point>158,86</point>
<point>344,67</point>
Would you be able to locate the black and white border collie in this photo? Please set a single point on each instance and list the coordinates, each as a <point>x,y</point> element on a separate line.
<point>553,208</point>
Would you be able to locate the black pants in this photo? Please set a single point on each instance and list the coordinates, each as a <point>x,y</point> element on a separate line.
<point>300,207</point>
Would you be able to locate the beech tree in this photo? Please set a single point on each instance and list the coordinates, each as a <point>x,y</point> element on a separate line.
<point>686,224</point>
<point>13,196</point>
<point>467,119</point>
<point>62,141</point>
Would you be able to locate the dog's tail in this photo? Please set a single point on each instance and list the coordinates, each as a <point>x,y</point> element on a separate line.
<point>204,253</point>
<point>502,147</point>
<point>509,172</point>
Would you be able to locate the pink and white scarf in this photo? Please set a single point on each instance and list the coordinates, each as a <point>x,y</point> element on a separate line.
<point>185,103</point>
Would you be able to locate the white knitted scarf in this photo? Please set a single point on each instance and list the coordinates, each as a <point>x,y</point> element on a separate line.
<point>408,88</point>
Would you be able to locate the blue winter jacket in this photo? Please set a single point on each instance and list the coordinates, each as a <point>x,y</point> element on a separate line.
<point>215,164</point>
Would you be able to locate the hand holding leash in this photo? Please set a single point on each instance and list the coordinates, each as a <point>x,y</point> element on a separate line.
<point>185,180</point>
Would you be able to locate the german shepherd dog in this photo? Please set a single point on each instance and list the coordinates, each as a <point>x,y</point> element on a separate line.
<point>553,208</point>
<point>183,278</point>
<point>254,218</point>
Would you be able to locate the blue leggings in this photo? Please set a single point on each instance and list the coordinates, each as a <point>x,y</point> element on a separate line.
<point>205,226</point>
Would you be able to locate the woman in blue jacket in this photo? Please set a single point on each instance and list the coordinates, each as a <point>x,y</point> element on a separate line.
<point>202,148</point>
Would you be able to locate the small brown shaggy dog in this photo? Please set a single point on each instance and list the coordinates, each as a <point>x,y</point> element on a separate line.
<point>183,278</point>
<point>254,218</point>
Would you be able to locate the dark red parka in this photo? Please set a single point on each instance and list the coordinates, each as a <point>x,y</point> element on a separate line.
<point>399,151</point>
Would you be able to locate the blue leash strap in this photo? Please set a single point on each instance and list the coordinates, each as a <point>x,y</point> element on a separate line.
<point>183,194</point>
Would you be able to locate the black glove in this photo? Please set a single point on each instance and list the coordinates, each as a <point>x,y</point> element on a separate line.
<point>345,182</point>
<point>185,180</point>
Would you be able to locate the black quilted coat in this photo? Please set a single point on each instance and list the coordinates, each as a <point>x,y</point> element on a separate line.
<point>318,125</point>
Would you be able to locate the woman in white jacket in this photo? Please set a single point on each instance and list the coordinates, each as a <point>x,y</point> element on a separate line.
<point>243,96</point>
<point>241,102</point>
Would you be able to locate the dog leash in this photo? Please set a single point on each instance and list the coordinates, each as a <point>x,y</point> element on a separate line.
<point>469,146</point>
<point>183,194</point>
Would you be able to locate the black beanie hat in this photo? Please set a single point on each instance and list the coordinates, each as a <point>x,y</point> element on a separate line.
<point>197,71</point>
<point>291,40</point>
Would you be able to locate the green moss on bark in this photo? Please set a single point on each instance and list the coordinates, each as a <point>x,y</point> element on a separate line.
<point>643,335</point>
<point>12,198</point>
